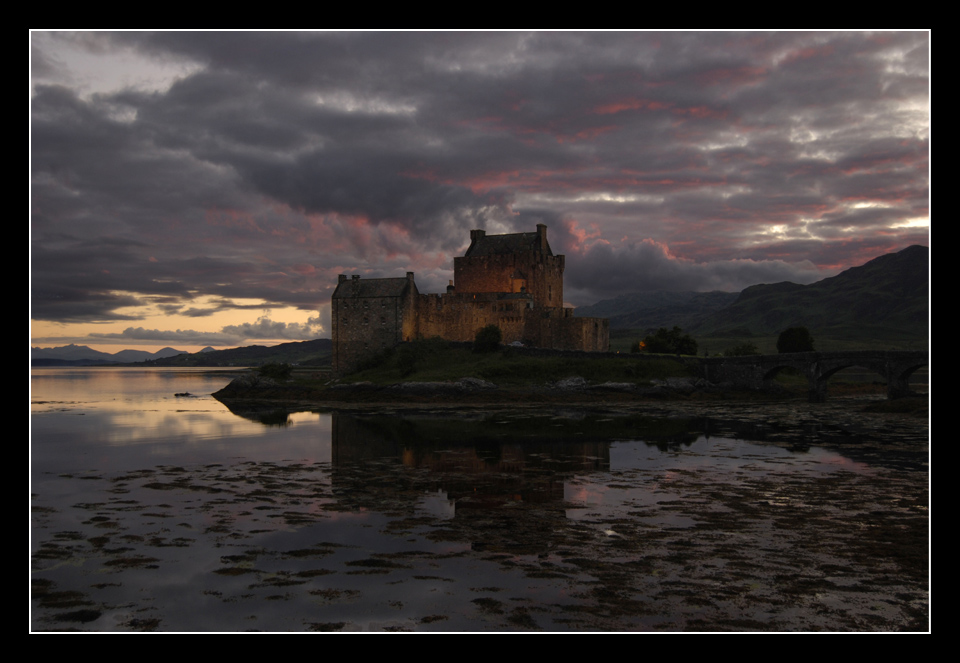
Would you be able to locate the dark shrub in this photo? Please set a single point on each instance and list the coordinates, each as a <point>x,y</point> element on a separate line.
<point>673,341</point>
<point>742,350</point>
<point>487,339</point>
<point>407,357</point>
<point>795,339</point>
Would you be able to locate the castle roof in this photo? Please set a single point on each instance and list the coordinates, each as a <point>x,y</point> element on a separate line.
<point>357,287</point>
<point>488,245</point>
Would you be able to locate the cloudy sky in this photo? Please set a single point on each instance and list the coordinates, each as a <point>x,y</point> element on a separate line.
<point>192,189</point>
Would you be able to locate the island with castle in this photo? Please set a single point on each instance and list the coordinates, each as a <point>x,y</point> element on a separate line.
<point>513,281</point>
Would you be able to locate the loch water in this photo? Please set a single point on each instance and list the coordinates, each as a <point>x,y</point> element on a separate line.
<point>154,507</point>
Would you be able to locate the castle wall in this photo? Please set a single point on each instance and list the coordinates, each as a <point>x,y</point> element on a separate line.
<point>458,317</point>
<point>570,333</point>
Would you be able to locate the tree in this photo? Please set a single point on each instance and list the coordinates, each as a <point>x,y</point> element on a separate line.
<point>487,339</point>
<point>673,341</point>
<point>795,339</point>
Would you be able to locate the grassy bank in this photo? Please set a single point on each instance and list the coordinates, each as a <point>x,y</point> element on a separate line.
<point>436,361</point>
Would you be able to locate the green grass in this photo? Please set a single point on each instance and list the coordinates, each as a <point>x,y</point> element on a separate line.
<point>436,361</point>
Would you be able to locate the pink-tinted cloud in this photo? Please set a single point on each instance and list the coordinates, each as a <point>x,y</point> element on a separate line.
<point>732,77</point>
<point>631,104</point>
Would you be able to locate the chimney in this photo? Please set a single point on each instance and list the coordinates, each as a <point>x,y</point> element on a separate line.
<point>477,234</point>
<point>542,236</point>
<point>356,277</point>
<point>341,279</point>
<point>409,276</point>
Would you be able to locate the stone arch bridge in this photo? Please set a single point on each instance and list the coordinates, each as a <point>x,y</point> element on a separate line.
<point>758,371</point>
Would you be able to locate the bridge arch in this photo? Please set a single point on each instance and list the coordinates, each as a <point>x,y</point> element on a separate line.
<point>898,384</point>
<point>820,375</point>
<point>759,371</point>
<point>770,373</point>
<point>894,368</point>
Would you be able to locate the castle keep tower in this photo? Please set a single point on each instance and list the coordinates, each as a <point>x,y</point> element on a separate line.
<point>520,262</point>
<point>513,281</point>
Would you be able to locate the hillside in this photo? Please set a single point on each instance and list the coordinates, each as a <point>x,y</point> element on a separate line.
<point>302,353</point>
<point>81,355</point>
<point>651,310</point>
<point>886,297</point>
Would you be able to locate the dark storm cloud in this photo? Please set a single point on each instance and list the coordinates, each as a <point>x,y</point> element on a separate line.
<point>275,161</point>
<point>649,266</point>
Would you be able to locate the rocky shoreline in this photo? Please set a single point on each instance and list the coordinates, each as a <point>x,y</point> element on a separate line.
<point>253,390</point>
<point>863,408</point>
<point>252,386</point>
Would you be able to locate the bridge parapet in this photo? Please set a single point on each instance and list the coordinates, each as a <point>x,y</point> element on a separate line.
<point>758,371</point>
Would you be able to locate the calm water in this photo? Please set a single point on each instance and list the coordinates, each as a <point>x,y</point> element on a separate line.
<point>152,511</point>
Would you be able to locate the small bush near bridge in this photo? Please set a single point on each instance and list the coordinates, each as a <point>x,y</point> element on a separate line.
<point>672,341</point>
<point>742,350</point>
<point>795,339</point>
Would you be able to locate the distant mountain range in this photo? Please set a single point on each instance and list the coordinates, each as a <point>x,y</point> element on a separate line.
<point>81,355</point>
<point>658,308</point>
<point>303,353</point>
<point>888,296</point>
<point>300,353</point>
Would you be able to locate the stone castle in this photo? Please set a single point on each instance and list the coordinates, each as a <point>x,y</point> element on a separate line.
<point>512,281</point>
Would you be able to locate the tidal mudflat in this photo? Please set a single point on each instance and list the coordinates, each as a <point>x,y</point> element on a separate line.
<point>668,517</point>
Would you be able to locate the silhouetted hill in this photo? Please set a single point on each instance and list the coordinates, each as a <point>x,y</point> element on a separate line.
<point>887,296</point>
<point>654,309</point>
<point>81,355</point>
<point>302,353</point>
